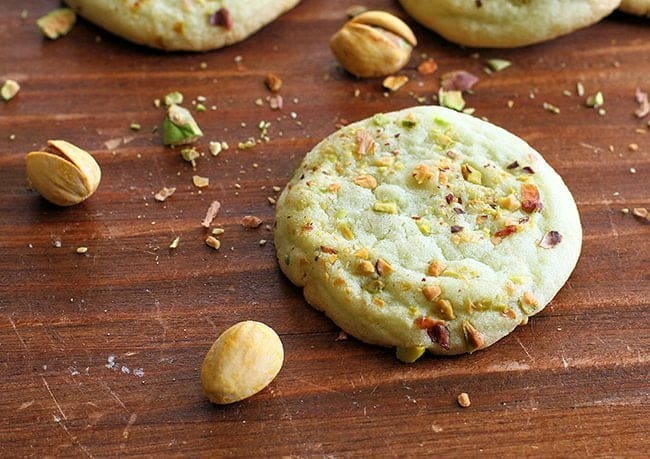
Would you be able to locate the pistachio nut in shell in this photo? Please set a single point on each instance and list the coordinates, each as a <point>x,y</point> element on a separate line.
<point>373,44</point>
<point>241,362</point>
<point>66,175</point>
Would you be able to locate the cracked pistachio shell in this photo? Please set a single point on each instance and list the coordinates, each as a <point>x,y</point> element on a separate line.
<point>241,362</point>
<point>66,177</point>
<point>373,44</point>
<point>179,127</point>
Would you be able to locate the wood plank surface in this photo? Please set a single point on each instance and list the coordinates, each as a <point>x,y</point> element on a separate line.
<point>573,382</point>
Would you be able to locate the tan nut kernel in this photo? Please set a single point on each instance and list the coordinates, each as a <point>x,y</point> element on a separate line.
<point>241,362</point>
<point>65,175</point>
<point>373,44</point>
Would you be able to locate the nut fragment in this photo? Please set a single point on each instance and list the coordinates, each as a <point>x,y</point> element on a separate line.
<point>436,268</point>
<point>251,221</point>
<point>431,292</point>
<point>473,337</point>
<point>65,176</point>
<point>273,82</point>
<point>241,362</point>
<point>394,82</point>
<point>179,127</point>
<point>9,89</point>
<point>57,23</point>
<point>372,44</point>
<point>366,181</point>
<point>409,354</point>
<point>463,400</point>
<point>213,242</point>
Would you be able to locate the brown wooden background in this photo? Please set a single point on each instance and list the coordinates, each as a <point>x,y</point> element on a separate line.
<point>574,382</point>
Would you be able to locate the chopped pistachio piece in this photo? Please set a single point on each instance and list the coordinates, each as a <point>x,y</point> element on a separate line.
<point>57,23</point>
<point>388,207</point>
<point>451,99</point>
<point>380,120</point>
<point>179,127</point>
<point>9,89</point>
<point>394,82</point>
<point>174,98</point>
<point>215,148</point>
<point>471,175</point>
<point>496,65</point>
<point>135,126</point>
<point>175,242</point>
<point>409,354</point>
<point>551,108</point>
<point>190,155</point>
<point>213,242</point>
<point>218,231</point>
<point>200,182</point>
<point>596,100</point>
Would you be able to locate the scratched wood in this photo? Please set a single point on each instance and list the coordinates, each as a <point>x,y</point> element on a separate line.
<point>100,353</point>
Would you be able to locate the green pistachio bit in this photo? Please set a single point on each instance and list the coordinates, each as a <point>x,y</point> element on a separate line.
<point>496,65</point>
<point>440,122</point>
<point>174,98</point>
<point>595,100</point>
<point>190,154</point>
<point>200,108</point>
<point>451,99</point>
<point>135,127</point>
<point>409,354</point>
<point>387,207</point>
<point>409,123</point>
<point>179,127</point>
<point>380,120</point>
<point>471,175</point>
<point>57,23</point>
<point>374,286</point>
<point>9,89</point>
<point>551,108</point>
<point>424,226</point>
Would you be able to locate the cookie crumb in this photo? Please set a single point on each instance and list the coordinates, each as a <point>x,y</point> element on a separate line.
<point>463,400</point>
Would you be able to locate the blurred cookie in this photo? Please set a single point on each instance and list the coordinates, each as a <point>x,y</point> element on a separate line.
<point>189,25</point>
<point>427,229</point>
<point>638,7</point>
<point>506,23</point>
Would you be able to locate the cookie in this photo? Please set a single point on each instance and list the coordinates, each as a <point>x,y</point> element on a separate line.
<point>506,23</point>
<point>638,7</point>
<point>427,228</point>
<point>189,25</point>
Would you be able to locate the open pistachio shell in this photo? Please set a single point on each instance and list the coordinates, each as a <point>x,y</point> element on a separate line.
<point>66,178</point>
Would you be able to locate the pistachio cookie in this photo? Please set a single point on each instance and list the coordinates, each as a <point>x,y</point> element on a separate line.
<point>638,7</point>
<point>427,229</point>
<point>506,23</point>
<point>189,25</point>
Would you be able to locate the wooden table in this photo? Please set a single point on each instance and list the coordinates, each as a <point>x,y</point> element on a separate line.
<point>100,353</point>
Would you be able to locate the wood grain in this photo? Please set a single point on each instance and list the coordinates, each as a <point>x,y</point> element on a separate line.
<point>574,382</point>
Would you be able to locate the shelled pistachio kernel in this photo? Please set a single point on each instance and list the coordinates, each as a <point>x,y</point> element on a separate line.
<point>65,175</point>
<point>241,362</point>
